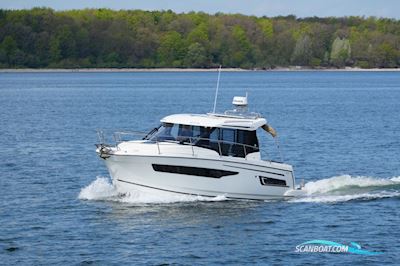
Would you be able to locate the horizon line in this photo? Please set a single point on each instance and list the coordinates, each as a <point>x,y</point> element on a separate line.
<point>199,11</point>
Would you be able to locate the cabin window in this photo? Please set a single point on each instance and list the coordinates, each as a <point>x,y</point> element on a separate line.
<point>228,135</point>
<point>167,132</point>
<point>203,136</point>
<point>247,137</point>
<point>231,140</point>
<point>197,131</point>
<point>226,141</point>
<point>185,133</point>
<point>214,134</point>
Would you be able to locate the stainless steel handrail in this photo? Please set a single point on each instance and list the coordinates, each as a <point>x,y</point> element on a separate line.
<point>100,136</point>
<point>223,142</point>
<point>118,135</point>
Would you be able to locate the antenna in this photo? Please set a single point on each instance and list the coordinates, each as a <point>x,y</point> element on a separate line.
<point>216,91</point>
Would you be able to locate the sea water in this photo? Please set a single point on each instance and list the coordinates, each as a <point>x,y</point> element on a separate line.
<point>340,131</point>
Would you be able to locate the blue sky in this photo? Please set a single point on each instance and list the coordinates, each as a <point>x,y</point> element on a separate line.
<point>300,8</point>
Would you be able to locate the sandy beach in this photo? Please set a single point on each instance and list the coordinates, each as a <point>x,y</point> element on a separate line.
<point>88,70</point>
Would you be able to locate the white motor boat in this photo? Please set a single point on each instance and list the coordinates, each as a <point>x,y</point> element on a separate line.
<point>200,154</point>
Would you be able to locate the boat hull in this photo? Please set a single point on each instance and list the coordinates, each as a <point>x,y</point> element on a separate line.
<point>226,176</point>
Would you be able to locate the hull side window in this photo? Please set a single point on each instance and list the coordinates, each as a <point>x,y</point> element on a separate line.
<point>196,171</point>
<point>268,181</point>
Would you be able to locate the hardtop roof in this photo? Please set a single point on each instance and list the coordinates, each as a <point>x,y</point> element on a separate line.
<point>216,120</point>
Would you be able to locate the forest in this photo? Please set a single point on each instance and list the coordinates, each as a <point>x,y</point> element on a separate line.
<point>104,38</point>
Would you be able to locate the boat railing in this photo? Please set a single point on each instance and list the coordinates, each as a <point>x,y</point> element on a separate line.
<point>101,136</point>
<point>117,137</point>
<point>222,147</point>
<point>120,136</point>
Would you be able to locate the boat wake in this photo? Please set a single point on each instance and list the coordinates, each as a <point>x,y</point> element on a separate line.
<point>103,189</point>
<point>347,188</point>
<point>329,190</point>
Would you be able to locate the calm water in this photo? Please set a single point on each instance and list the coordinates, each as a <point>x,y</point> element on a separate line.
<point>340,130</point>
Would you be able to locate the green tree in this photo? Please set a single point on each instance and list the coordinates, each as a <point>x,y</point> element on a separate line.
<point>388,55</point>
<point>196,56</point>
<point>199,35</point>
<point>241,53</point>
<point>55,52</point>
<point>42,37</point>
<point>302,54</point>
<point>8,50</point>
<point>340,52</point>
<point>267,27</point>
<point>171,50</point>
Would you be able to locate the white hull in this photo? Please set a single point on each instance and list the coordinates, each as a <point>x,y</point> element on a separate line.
<point>132,173</point>
<point>205,155</point>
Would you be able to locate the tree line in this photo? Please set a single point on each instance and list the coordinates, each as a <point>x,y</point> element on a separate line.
<point>44,38</point>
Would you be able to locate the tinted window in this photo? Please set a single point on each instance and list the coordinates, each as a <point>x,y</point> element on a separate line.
<point>268,181</point>
<point>197,171</point>
<point>228,135</point>
<point>167,131</point>
<point>247,137</point>
<point>223,140</point>
<point>214,134</point>
<point>185,131</point>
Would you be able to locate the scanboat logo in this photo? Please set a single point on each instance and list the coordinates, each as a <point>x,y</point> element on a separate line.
<point>325,246</point>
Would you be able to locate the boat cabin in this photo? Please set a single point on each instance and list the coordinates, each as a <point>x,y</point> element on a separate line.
<point>228,135</point>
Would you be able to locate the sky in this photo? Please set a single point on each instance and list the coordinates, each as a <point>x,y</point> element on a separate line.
<point>270,8</point>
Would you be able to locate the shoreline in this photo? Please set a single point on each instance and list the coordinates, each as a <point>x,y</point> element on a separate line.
<point>132,70</point>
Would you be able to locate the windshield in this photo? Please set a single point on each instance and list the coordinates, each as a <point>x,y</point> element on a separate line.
<point>181,133</point>
<point>166,132</point>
